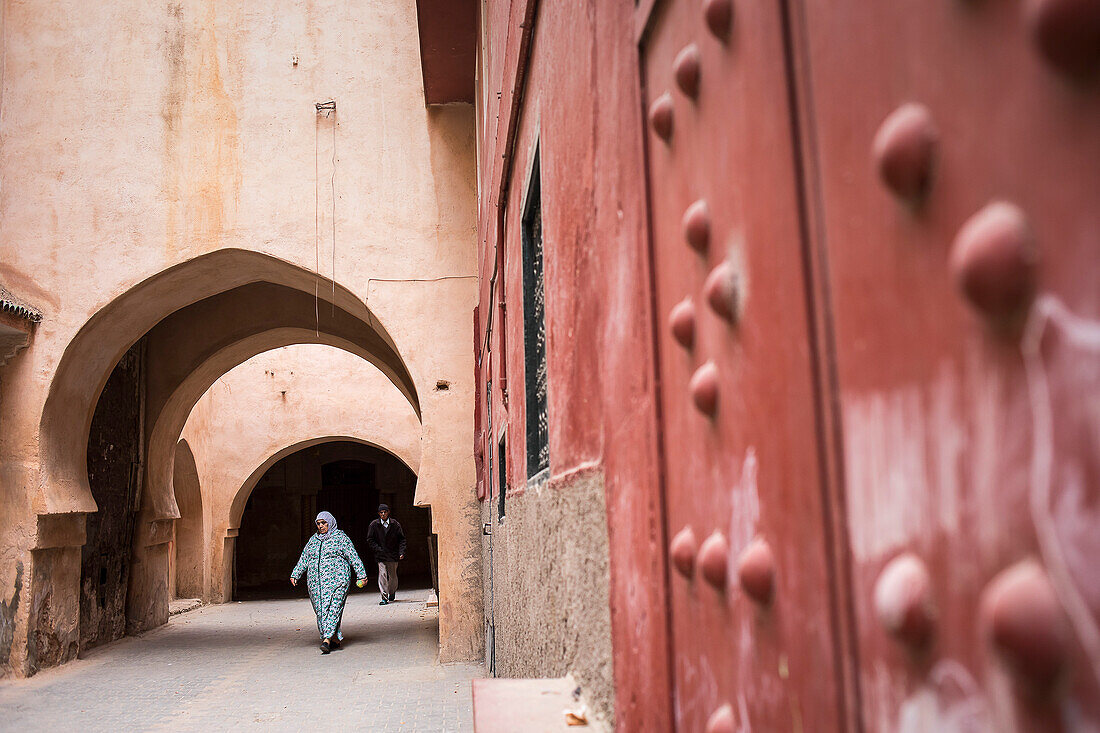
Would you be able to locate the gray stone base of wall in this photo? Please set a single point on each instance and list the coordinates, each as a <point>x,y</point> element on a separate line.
<point>548,595</point>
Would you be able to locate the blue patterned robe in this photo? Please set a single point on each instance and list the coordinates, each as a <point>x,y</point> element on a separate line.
<point>328,567</point>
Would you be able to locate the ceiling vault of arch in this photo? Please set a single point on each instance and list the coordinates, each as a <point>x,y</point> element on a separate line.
<point>200,320</point>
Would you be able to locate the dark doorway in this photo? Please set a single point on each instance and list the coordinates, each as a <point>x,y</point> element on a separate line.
<point>348,493</point>
<point>114,474</point>
<point>345,478</point>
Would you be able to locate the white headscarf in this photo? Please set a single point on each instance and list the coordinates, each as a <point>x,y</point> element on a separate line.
<point>331,525</point>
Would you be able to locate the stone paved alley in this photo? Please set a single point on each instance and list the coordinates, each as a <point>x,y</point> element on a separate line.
<point>257,665</point>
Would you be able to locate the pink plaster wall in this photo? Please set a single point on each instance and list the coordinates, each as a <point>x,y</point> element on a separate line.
<point>137,137</point>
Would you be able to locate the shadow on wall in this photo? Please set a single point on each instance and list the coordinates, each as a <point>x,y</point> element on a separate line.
<point>451,137</point>
<point>114,475</point>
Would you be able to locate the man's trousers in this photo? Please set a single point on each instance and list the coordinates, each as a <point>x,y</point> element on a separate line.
<point>387,579</point>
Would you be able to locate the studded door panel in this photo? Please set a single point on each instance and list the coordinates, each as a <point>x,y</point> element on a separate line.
<point>957,197</point>
<point>750,600</point>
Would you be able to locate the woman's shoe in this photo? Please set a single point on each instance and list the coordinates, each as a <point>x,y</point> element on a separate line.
<point>383,601</point>
<point>334,644</point>
<point>325,648</point>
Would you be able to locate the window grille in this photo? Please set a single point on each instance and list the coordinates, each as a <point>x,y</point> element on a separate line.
<point>534,329</point>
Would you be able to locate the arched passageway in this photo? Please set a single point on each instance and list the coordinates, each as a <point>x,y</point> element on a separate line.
<point>343,477</point>
<point>199,319</point>
<point>276,404</point>
<point>121,397</point>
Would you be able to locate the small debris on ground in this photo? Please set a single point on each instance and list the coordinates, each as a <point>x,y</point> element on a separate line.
<point>576,717</point>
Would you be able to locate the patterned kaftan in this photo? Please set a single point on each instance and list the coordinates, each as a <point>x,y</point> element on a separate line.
<point>328,567</point>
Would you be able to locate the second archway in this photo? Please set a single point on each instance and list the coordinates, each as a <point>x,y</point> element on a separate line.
<point>345,477</point>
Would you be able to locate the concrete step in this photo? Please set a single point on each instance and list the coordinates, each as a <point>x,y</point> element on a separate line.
<point>505,705</point>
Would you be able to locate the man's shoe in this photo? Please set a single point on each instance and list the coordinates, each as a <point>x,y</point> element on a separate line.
<point>325,648</point>
<point>393,597</point>
<point>383,602</point>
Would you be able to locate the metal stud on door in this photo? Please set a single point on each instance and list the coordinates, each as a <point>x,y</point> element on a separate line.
<point>955,204</point>
<point>749,582</point>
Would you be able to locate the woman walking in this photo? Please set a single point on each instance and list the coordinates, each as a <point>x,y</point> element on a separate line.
<point>327,560</point>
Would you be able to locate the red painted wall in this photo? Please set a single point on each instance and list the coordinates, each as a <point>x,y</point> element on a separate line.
<point>946,344</point>
<point>602,404</point>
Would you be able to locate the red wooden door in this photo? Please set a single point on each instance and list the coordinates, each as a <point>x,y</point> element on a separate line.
<point>956,201</point>
<point>752,625</point>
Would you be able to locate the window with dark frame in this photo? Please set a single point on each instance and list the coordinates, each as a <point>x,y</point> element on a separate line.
<point>502,476</point>
<point>502,329</point>
<point>534,328</point>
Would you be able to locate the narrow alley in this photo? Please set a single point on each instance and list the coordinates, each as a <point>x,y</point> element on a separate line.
<point>256,664</point>
<point>720,365</point>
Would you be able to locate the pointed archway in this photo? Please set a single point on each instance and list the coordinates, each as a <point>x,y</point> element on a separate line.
<point>345,477</point>
<point>194,322</point>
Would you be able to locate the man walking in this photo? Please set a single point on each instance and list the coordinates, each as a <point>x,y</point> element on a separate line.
<point>387,540</point>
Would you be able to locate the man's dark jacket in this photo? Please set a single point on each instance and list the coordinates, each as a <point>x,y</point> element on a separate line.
<point>387,544</point>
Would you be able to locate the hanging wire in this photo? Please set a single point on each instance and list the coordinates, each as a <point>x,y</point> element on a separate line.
<point>328,109</point>
<point>316,231</point>
<point>332,184</point>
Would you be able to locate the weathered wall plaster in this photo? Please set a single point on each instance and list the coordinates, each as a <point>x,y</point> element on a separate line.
<point>550,585</point>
